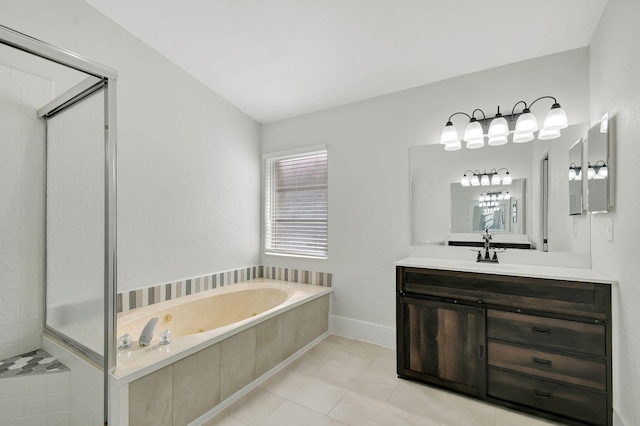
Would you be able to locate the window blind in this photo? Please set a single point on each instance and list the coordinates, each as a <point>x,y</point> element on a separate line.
<point>296,205</point>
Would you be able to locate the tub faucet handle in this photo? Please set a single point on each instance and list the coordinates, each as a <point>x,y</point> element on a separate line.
<point>165,337</point>
<point>125,341</point>
<point>147,332</point>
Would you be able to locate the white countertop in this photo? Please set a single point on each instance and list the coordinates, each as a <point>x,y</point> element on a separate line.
<point>534,271</point>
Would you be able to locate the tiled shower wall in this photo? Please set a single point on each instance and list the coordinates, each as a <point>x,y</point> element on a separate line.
<point>21,210</point>
<point>149,295</point>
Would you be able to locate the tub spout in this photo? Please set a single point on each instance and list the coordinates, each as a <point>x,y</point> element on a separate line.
<point>147,332</point>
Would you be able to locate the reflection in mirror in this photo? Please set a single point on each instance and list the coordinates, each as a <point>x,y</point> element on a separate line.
<point>433,170</point>
<point>501,209</point>
<point>598,168</point>
<point>575,178</point>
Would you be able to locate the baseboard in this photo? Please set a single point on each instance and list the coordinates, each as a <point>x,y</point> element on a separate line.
<point>361,330</point>
<point>619,419</point>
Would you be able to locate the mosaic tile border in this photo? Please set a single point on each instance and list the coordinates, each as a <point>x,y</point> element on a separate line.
<point>31,363</point>
<point>298,275</point>
<point>150,295</point>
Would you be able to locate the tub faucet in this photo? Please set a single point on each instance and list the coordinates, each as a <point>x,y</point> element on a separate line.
<point>147,332</point>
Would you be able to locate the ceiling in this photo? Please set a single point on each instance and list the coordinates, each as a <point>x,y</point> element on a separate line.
<point>275,59</point>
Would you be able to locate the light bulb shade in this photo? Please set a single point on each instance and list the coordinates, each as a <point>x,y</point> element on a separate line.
<point>449,134</point>
<point>495,179</point>
<point>465,181</point>
<point>473,131</point>
<point>572,173</point>
<point>498,127</point>
<point>481,199</point>
<point>556,118</point>
<point>506,180</point>
<point>522,137</point>
<point>506,194</point>
<point>484,181</point>
<point>526,123</point>
<point>591,173</point>
<point>475,143</point>
<point>547,134</point>
<point>497,140</point>
<point>453,146</point>
<point>603,172</point>
<point>475,180</point>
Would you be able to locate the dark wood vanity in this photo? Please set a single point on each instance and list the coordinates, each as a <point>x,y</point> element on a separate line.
<point>537,345</point>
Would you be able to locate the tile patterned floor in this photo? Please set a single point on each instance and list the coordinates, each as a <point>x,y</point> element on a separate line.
<point>35,362</point>
<point>346,382</point>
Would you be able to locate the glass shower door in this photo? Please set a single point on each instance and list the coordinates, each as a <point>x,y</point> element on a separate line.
<point>75,229</point>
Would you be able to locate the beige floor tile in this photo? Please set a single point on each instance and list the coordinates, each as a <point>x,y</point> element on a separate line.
<point>223,419</point>
<point>307,364</point>
<point>304,390</point>
<point>441,406</point>
<point>355,410</point>
<point>359,348</point>
<point>254,407</point>
<point>329,350</point>
<point>509,418</point>
<point>369,384</point>
<point>384,366</point>
<point>291,414</point>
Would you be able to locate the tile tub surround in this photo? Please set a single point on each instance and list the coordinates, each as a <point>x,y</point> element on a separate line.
<point>141,297</point>
<point>137,361</point>
<point>189,388</point>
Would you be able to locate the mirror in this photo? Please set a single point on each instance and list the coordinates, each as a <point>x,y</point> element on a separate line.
<point>598,168</point>
<point>575,178</point>
<point>501,208</point>
<point>434,172</point>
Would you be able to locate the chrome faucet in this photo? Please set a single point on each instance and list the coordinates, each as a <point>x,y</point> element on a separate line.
<point>487,249</point>
<point>147,332</point>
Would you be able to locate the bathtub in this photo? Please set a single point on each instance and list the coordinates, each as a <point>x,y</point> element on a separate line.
<point>203,319</point>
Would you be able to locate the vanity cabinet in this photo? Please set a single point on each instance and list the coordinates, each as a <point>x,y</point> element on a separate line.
<point>538,345</point>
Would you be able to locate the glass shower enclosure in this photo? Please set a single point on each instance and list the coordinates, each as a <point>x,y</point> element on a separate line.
<point>68,195</point>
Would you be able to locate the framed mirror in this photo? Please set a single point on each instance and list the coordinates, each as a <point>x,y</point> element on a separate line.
<point>576,166</point>
<point>598,180</point>
<point>434,172</point>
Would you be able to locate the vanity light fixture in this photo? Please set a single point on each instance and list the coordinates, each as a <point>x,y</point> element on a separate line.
<point>477,178</point>
<point>598,171</point>
<point>499,127</point>
<point>575,172</point>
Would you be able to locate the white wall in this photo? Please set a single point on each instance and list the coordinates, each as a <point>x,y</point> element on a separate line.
<point>369,178</point>
<point>615,88</point>
<point>188,194</point>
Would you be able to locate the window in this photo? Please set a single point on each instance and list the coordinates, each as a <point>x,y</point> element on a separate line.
<point>296,204</point>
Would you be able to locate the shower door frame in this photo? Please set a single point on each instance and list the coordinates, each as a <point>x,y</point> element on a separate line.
<point>109,77</point>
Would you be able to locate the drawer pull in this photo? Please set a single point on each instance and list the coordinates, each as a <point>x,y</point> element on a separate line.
<point>539,330</point>
<point>541,362</point>
<point>543,395</point>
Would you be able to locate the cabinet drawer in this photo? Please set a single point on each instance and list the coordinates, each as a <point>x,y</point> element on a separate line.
<point>574,370</point>
<point>579,404</point>
<point>572,336</point>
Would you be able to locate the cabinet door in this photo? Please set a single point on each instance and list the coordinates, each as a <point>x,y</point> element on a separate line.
<point>443,343</point>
